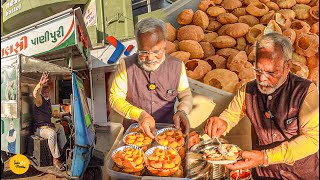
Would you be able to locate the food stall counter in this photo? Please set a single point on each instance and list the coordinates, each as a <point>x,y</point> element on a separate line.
<point>107,139</point>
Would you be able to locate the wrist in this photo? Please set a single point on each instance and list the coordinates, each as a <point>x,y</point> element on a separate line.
<point>41,85</point>
<point>142,117</point>
<point>265,161</point>
<point>182,111</point>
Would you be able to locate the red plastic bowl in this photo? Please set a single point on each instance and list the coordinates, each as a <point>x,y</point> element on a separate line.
<point>240,174</point>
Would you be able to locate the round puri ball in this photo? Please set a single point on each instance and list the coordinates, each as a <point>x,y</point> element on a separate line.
<point>237,30</point>
<point>286,4</point>
<point>222,79</point>
<point>185,17</point>
<point>231,4</point>
<point>190,32</point>
<point>257,9</point>
<point>214,11</point>
<point>170,47</point>
<point>248,19</point>
<point>171,32</point>
<point>193,47</point>
<point>302,11</point>
<point>307,44</point>
<point>208,49</point>
<point>217,62</point>
<point>299,69</point>
<point>182,55</point>
<point>224,42</point>
<point>197,68</point>
<point>201,19</point>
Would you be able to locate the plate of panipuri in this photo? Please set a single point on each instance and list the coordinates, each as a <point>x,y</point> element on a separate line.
<point>129,159</point>
<point>173,138</point>
<point>162,161</point>
<point>215,157</point>
<point>138,139</point>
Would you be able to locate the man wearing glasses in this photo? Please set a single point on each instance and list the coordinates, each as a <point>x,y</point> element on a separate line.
<point>284,112</point>
<point>146,85</point>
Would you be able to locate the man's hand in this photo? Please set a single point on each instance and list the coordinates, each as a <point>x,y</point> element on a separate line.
<point>251,159</point>
<point>180,119</point>
<point>44,78</point>
<point>147,124</point>
<point>215,127</point>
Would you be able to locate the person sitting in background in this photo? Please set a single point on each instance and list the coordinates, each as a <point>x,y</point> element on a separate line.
<point>45,128</point>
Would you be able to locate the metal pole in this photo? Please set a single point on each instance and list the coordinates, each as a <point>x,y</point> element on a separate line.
<point>91,91</point>
<point>149,6</point>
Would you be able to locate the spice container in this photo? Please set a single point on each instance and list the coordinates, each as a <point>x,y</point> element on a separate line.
<point>243,174</point>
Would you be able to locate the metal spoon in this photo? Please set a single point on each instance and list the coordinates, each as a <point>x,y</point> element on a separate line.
<point>221,148</point>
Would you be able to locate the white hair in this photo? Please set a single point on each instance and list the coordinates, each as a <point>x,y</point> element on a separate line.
<point>277,41</point>
<point>150,25</point>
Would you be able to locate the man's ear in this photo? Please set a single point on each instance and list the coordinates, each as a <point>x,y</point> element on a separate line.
<point>288,66</point>
<point>289,63</point>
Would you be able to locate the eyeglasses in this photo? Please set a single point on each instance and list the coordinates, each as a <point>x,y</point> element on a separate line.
<point>268,74</point>
<point>146,53</point>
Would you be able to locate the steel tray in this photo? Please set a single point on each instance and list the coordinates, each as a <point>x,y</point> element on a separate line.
<point>119,175</point>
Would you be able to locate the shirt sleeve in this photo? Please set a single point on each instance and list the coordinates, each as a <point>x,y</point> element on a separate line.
<point>307,142</point>
<point>118,94</point>
<point>184,92</point>
<point>37,96</point>
<point>236,109</point>
<point>183,83</point>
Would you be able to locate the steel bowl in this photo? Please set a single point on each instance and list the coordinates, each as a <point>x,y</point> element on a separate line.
<point>122,148</point>
<point>145,147</point>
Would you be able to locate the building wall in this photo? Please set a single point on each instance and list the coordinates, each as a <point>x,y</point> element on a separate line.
<point>99,99</point>
<point>20,13</point>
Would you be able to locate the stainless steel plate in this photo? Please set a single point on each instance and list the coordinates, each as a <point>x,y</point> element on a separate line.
<point>205,145</point>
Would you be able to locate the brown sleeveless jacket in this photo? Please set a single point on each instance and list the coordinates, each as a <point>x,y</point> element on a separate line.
<point>159,103</point>
<point>284,105</point>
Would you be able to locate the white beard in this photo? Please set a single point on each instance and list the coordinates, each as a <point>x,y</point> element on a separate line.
<point>272,89</point>
<point>46,98</point>
<point>151,65</point>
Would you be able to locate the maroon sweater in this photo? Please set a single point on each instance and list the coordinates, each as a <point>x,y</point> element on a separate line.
<point>284,104</point>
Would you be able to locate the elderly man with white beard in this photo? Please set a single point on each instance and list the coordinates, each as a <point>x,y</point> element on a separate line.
<point>146,84</point>
<point>284,113</point>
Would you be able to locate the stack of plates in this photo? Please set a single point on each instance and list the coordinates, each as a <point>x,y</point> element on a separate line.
<point>215,171</point>
<point>218,171</point>
<point>199,170</point>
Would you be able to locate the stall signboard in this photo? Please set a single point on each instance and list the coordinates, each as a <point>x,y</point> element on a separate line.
<point>45,36</point>
<point>82,40</point>
<point>10,123</point>
<point>90,14</point>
